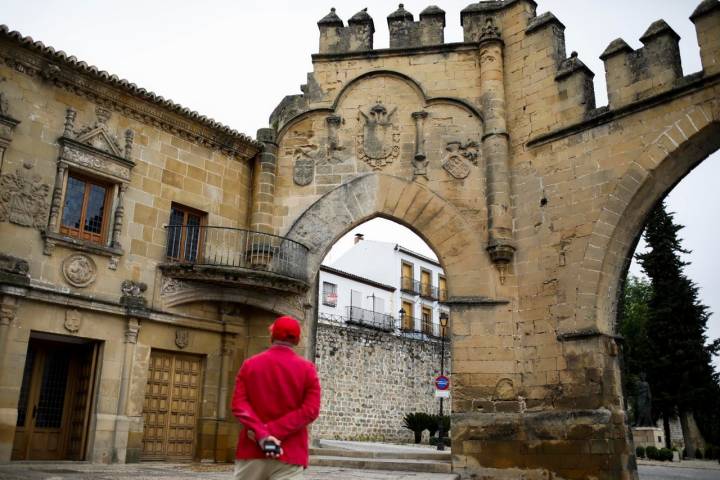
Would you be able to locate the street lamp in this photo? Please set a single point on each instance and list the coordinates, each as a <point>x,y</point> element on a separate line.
<point>401,314</point>
<point>441,432</point>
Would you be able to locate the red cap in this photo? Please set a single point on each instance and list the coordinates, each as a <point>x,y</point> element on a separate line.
<point>285,329</point>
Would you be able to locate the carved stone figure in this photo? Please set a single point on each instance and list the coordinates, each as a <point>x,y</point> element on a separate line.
<point>378,145</point>
<point>182,337</point>
<point>131,288</point>
<point>73,320</point>
<point>23,198</point>
<point>79,270</point>
<point>304,168</point>
<point>457,157</point>
<point>643,417</point>
<point>333,147</point>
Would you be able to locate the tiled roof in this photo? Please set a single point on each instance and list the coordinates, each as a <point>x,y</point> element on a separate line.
<point>101,75</point>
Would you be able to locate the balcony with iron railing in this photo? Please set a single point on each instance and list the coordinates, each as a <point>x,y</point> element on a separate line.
<point>415,287</point>
<point>235,256</point>
<point>368,318</point>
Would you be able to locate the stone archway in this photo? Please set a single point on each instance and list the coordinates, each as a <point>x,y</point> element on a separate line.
<point>459,247</point>
<point>673,153</point>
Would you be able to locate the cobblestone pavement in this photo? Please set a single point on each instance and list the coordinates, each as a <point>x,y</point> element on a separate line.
<point>163,471</point>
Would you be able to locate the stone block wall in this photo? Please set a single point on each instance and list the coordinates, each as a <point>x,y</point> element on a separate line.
<point>370,380</point>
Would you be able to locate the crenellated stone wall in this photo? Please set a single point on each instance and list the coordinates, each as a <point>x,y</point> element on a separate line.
<point>371,379</point>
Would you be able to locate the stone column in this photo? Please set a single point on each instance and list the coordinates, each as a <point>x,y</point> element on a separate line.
<point>119,215</point>
<point>121,419</point>
<point>53,223</point>
<point>495,145</point>
<point>263,201</point>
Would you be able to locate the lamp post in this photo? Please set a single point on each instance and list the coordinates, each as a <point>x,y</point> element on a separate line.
<point>441,431</point>
<point>401,314</point>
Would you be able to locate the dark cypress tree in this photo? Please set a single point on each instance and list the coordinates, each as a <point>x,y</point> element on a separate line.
<point>680,370</point>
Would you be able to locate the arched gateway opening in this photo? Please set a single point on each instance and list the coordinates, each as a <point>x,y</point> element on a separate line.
<point>382,340</point>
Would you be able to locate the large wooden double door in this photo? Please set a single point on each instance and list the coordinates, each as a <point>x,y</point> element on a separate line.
<point>170,409</point>
<point>55,401</point>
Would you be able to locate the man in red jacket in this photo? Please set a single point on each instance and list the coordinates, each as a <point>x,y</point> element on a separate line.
<point>277,395</point>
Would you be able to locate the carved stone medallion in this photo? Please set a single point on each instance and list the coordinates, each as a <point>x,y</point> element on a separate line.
<point>457,157</point>
<point>182,337</point>
<point>378,144</point>
<point>23,198</point>
<point>73,320</point>
<point>79,270</point>
<point>171,285</point>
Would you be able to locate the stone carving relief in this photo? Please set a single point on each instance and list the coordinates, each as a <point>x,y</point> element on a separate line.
<point>504,390</point>
<point>420,159</point>
<point>73,320</point>
<point>172,285</point>
<point>182,337</point>
<point>23,198</point>
<point>79,270</point>
<point>458,157</point>
<point>379,142</point>
<point>98,136</point>
<point>307,156</point>
<point>304,168</point>
<point>15,265</point>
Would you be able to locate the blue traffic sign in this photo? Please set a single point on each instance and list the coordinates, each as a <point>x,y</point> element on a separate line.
<point>442,382</point>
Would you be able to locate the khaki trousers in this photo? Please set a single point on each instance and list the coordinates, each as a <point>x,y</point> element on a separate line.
<point>266,469</point>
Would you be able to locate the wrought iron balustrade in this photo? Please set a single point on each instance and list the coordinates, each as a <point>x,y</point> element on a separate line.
<point>368,318</point>
<point>416,287</point>
<point>236,248</point>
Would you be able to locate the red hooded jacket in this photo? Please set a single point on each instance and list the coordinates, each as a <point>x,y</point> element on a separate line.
<point>277,392</point>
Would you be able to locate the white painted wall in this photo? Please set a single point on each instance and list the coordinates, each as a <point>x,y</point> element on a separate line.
<point>382,263</point>
<point>344,288</point>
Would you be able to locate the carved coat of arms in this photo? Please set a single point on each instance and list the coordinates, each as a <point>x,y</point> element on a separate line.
<point>73,320</point>
<point>378,145</point>
<point>79,270</point>
<point>23,199</point>
<point>304,168</point>
<point>457,157</point>
<point>182,337</point>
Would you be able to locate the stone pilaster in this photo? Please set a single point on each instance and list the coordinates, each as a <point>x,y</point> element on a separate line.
<point>495,145</point>
<point>119,215</point>
<point>263,201</point>
<point>53,223</point>
<point>122,424</point>
<point>420,159</point>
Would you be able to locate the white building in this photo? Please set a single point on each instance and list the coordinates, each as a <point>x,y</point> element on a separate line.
<point>373,281</point>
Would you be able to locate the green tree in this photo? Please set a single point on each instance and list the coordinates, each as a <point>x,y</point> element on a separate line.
<point>633,318</point>
<point>679,369</point>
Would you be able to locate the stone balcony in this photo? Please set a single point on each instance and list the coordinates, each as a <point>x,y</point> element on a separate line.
<point>235,257</point>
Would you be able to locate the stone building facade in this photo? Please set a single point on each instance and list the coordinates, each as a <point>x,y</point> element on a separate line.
<point>491,149</point>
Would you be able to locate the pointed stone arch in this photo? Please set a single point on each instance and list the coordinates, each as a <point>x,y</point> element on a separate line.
<point>673,153</point>
<point>458,245</point>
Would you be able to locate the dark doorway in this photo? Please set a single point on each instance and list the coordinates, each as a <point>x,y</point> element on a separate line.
<point>55,399</point>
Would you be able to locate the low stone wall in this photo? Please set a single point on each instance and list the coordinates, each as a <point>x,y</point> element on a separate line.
<point>370,380</point>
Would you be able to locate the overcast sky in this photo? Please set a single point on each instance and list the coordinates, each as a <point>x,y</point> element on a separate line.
<point>235,60</point>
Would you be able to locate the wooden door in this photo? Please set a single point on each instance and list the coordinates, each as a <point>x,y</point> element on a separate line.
<point>407,277</point>
<point>53,410</point>
<point>408,320</point>
<point>170,410</point>
<point>425,283</point>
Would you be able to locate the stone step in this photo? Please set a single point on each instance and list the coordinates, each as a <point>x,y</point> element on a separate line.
<point>433,455</point>
<point>392,464</point>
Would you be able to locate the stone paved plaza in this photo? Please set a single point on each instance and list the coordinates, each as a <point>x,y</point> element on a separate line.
<point>165,471</point>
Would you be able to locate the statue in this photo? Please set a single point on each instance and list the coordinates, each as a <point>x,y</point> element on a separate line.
<point>643,416</point>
